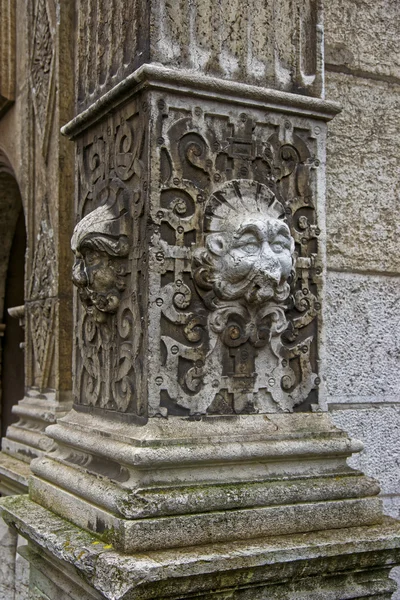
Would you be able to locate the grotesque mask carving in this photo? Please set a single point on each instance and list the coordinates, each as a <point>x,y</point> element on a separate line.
<point>101,244</point>
<point>248,253</point>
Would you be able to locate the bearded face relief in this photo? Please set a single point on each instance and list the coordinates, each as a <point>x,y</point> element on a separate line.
<point>242,274</point>
<point>100,247</point>
<point>249,249</point>
<point>99,277</point>
<point>253,261</point>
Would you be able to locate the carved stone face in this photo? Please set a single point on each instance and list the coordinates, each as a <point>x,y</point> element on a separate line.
<point>99,279</point>
<point>101,246</point>
<point>249,248</point>
<point>252,259</point>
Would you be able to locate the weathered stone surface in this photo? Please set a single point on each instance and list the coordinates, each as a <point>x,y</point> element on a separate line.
<point>379,429</point>
<point>395,575</point>
<point>157,485</point>
<point>248,568</point>
<point>276,44</point>
<point>7,54</point>
<point>362,175</point>
<point>189,229</point>
<point>8,548</point>
<point>22,571</point>
<point>391,506</point>
<point>363,36</point>
<point>363,338</point>
<point>156,161</point>
<point>40,164</point>
<point>14,474</point>
<point>26,439</point>
<point>44,178</point>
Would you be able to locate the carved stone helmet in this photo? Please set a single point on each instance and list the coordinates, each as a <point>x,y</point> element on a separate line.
<point>107,225</point>
<point>248,253</point>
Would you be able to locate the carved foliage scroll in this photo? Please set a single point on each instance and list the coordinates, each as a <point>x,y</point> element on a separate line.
<point>235,273</point>
<point>109,269</point>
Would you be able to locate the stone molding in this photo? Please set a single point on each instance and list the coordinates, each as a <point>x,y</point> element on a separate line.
<point>302,566</point>
<point>156,77</point>
<point>168,484</point>
<point>14,475</point>
<point>26,439</point>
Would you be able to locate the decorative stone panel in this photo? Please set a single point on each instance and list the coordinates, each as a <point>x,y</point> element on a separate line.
<point>110,268</point>
<point>235,272</point>
<point>41,305</point>
<point>42,71</point>
<point>198,259</point>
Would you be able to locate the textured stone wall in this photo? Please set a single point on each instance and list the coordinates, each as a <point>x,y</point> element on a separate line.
<point>363,294</point>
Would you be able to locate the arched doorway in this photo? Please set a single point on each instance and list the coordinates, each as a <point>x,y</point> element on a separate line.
<point>12,270</point>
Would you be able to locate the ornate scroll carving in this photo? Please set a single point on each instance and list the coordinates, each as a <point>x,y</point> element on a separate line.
<point>107,269</point>
<point>199,289</point>
<point>234,263</point>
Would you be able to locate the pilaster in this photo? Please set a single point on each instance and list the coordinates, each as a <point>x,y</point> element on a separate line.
<point>198,459</point>
<point>45,100</point>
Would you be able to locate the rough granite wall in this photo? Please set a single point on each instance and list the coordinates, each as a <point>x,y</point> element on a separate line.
<point>363,183</point>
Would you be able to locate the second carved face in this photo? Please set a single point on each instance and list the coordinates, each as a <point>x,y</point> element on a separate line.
<point>252,260</point>
<point>249,248</point>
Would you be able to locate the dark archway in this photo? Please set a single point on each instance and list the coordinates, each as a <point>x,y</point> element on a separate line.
<point>12,271</point>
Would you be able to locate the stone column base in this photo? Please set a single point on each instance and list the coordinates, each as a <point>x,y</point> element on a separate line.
<point>337,564</point>
<point>176,483</point>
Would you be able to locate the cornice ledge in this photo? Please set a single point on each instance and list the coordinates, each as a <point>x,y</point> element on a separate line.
<point>154,76</point>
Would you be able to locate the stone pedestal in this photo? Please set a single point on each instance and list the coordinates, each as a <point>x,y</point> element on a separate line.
<point>169,484</point>
<point>337,564</point>
<point>198,461</point>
